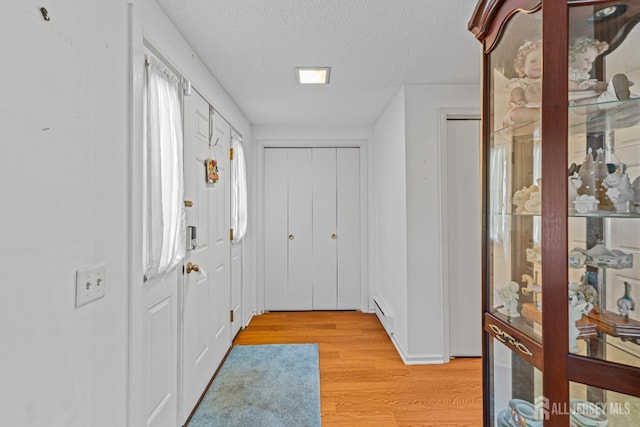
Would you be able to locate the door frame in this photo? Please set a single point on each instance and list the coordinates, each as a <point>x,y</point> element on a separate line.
<point>447,113</point>
<point>261,145</point>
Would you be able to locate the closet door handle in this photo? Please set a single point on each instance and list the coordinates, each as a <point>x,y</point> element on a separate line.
<point>333,236</point>
<point>290,236</point>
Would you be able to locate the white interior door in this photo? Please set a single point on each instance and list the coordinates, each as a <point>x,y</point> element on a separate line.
<point>206,289</point>
<point>312,228</point>
<point>325,250</point>
<point>464,246</point>
<point>288,229</point>
<point>348,228</point>
<point>300,282</point>
<point>276,228</point>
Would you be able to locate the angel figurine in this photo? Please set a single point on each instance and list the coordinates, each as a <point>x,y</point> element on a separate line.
<point>509,297</point>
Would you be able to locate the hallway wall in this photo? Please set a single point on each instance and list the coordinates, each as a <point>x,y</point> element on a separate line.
<point>65,184</point>
<point>408,266</point>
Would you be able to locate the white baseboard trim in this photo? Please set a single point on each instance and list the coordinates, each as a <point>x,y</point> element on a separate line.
<point>248,319</point>
<point>385,315</point>
<point>418,359</point>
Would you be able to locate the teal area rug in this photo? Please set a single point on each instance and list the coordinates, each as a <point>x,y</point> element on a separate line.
<point>264,385</point>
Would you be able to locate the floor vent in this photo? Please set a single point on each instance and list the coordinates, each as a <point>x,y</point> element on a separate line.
<point>384,314</point>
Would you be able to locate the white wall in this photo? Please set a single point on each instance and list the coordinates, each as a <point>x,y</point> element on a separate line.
<point>389,254</point>
<point>64,178</point>
<point>63,115</point>
<point>409,266</point>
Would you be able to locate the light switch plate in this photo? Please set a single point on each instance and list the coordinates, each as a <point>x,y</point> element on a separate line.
<point>91,284</point>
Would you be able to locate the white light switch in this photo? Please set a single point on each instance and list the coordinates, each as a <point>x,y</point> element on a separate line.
<point>91,284</point>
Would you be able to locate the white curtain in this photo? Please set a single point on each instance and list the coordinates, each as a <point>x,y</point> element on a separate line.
<point>500,200</point>
<point>164,215</point>
<point>239,191</point>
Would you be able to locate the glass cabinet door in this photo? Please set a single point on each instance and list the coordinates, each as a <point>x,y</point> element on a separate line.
<point>513,310</point>
<point>604,203</point>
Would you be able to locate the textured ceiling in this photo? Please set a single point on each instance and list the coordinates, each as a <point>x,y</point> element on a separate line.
<point>373,46</point>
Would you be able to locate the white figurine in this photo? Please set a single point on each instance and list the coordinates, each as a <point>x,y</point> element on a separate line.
<point>619,190</point>
<point>519,198</point>
<point>574,183</point>
<point>509,296</point>
<point>636,195</point>
<point>534,204</point>
<point>578,306</point>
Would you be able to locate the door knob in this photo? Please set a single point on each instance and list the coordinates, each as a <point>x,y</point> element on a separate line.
<point>192,267</point>
<point>290,236</point>
<point>333,236</point>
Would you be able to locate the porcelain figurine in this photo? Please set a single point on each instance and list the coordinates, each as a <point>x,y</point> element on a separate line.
<point>532,288</point>
<point>626,303</point>
<point>635,187</point>
<point>577,307</point>
<point>509,296</point>
<point>585,203</point>
<point>601,171</point>
<point>519,198</point>
<point>600,256</point>
<point>585,413</point>
<point>574,183</point>
<point>587,176</point>
<point>534,204</point>
<point>524,413</point>
<point>619,190</point>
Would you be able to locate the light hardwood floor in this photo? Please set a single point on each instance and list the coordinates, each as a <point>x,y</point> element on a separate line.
<point>363,381</point>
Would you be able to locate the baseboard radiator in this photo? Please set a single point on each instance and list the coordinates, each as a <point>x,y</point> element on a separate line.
<point>384,314</point>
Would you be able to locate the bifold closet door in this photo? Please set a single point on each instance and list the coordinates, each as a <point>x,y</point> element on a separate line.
<point>348,227</point>
<point>325,248</point>
<point>288,229</point>
<point>336,228</point>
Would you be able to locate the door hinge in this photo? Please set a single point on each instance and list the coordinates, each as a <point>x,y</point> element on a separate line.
<point>231,234</point>
<point>230,153</point>
<point>186,87</point>
<point>231,315</point>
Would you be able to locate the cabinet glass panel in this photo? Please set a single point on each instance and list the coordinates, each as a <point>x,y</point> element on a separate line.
<point>515,175</point>
<point>516,386</point>
<point>592,406</point>
<point>604,182</point>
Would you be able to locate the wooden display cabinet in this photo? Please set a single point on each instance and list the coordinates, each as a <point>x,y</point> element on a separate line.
<point>561,212</point>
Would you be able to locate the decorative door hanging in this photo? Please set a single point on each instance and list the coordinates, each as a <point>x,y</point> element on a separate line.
<point>210,163</point>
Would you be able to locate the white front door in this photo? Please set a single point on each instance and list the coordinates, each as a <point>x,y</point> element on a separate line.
<point>205,292</point>
<point>464,246</point>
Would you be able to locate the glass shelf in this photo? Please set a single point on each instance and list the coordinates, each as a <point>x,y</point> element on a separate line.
<point>595,214</point>
<point>611,115</point>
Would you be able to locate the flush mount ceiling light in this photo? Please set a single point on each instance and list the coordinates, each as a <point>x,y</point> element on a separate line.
<point>313,75</point>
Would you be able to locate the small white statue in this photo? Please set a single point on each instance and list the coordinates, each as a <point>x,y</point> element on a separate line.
<point>519,198</point>
<point>635,187</point>
<point>626,303</point>
<point>574,183</point>
<point>619,190</point>
<point>509,296</point>
<point>534,204</point>
<point>578,306</point>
